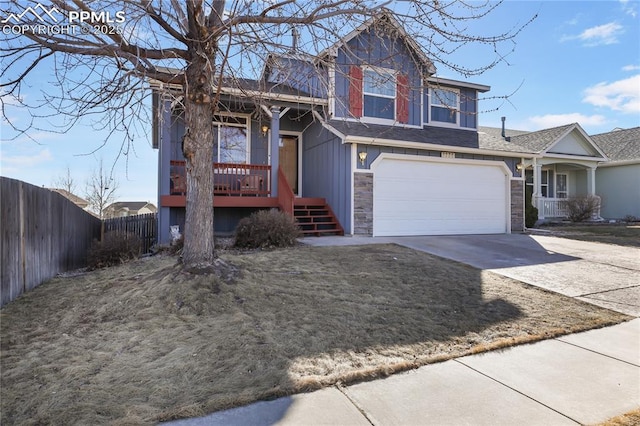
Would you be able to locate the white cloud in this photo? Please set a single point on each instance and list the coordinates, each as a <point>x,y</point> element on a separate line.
<point>9,99</point>
<point>631,68</point>
<point>597,36</point>
<point>19,163</point>
<point>629,7</point>
<point>554,120</point>
<point>622,95</point>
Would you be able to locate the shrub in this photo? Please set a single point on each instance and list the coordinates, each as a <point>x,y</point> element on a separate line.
<point>530,212</point>
<point>530,216</point>
<point>266,228</point>
<point>116,247</point>
<point>582,208</point>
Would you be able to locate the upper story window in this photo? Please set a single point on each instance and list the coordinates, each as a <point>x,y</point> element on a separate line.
<point>231,138</point>
<point>445,104</point>
<point>379,92</point>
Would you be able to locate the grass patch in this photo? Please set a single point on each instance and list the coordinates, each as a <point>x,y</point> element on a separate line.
<point>621,234</point>
<point>632,418</point>
<point>146,342</point>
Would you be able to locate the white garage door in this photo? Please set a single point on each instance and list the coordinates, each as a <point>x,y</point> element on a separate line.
<point>421,196</point>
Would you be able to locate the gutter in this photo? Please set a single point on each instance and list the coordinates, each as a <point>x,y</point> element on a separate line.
<point>435,147</point>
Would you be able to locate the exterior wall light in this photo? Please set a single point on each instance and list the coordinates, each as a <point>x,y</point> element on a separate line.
<point>264,129</point>
<point>362,155</point>
<point>519,166</point>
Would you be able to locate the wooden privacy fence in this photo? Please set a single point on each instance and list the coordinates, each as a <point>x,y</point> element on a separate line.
<point>142,225</point>
<point>41,234</point>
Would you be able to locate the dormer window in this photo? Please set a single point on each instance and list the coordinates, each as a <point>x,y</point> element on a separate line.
<point>445,105</point>
<point>379,93</point>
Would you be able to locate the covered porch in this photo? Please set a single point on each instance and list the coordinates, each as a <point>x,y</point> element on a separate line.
<point>550,183</point>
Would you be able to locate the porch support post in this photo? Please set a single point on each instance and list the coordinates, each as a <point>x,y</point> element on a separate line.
<point>275,149</point>
<point>591,190</point>
<point>591,181</point>
<point>537,191</point>
<point>164,169</point>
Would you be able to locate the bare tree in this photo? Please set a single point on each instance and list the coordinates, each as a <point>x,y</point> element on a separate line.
<point>100,190</point>
<point>119,45</point>
<point>65,181</point>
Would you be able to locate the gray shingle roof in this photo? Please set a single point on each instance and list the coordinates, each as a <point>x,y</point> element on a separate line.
<point>131,205</point>
<point>432,135</point>
<point>620,145</point>
<point>540,140</point>
<point>491,139</point>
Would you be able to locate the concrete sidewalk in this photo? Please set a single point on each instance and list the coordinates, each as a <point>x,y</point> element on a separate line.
<point>583,378</point>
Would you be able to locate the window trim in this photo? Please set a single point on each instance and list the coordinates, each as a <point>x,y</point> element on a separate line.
<point>219,123</point>
<point>544,172</point>
<point>394,75</point>
<point>432,97</point>
<point>566,191</point>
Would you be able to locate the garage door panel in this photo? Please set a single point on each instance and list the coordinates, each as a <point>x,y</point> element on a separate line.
<point>418,197</point>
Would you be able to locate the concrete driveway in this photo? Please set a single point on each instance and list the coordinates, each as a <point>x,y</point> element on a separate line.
<point>602,274</point>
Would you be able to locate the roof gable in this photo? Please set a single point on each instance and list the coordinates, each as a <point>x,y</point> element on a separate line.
<point>569,139</point>
<point>386,19</point>
<point>573,143</point>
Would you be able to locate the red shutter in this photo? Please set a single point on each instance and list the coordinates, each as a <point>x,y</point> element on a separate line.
<point>355,91</point>
<point>402,99</point>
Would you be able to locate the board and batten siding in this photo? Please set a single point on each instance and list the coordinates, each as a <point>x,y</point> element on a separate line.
<point>378,50</point>
<point>326,171</point>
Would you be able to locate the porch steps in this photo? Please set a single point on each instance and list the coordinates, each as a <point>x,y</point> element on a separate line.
<point>315,217</point>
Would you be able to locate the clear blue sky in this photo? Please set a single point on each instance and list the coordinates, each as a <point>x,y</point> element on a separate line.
<point>579,61</point>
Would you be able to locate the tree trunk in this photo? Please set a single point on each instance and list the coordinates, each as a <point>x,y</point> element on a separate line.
<point>198,252</point>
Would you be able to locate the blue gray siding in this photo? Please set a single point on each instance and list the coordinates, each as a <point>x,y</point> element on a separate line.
<point>298,74</point>
<point>468,108</point>
<point>371,48</point>
<point>326,171</point>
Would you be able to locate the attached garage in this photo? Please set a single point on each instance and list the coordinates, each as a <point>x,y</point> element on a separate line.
<point>414,195</point>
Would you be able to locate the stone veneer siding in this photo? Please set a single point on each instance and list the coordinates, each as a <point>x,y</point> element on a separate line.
<point>363,203</point>
<point>517,205</point>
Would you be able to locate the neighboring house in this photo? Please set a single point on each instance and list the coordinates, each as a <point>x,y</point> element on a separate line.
<point>78,201</point>
<point>562,164</point>
<point>618,180</point>
<point>362,138</point>
<point>129,208</point>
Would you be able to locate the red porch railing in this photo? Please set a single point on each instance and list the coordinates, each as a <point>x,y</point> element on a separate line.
<point>228,179</point>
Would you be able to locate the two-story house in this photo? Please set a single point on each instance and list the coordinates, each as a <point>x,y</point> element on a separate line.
<point>362,138</point>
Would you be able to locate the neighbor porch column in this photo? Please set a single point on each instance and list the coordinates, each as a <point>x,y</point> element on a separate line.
<point>591,190</point>
<point>537,189</point>
<point>275,149</point>
<point>591,181</point>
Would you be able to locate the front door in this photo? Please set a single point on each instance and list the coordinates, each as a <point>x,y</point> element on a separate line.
<point>289,160</point>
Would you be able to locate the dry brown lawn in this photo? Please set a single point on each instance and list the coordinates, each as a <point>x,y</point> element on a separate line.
<point>622,234</point>
<point>632,418</point>
<point>147,342</point>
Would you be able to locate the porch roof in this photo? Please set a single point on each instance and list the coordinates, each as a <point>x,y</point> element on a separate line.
<point>620,145</point>
<point>542,142</point>
<point>246,88</point>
